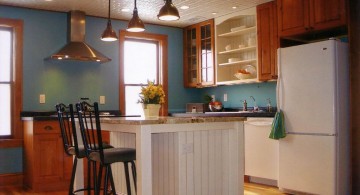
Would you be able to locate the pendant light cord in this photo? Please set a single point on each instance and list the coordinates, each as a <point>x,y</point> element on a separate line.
<point>109,10</point>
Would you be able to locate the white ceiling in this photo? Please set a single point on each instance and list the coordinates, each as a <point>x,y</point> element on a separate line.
<point>199,10</point>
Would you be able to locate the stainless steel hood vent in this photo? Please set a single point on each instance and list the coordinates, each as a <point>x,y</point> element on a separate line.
<point>77,49</point>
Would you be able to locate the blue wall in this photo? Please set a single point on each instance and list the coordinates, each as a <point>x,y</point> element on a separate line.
<point>46,32</point>
<point>11,160</point>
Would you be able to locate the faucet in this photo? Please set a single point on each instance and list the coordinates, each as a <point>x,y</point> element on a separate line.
<point>269,108</point>
<point>244,105</point>
<point>256,108</point>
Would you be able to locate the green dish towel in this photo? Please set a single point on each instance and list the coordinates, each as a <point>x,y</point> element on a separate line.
<point>278,127</point>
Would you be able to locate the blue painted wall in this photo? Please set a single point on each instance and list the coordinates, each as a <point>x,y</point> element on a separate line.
<point>46,32</point>
<point>11,160</point>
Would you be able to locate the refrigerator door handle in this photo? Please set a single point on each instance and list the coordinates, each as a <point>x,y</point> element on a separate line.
<point>312,134</point>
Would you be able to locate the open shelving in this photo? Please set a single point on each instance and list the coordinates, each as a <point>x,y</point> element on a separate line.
<point>242,43</point>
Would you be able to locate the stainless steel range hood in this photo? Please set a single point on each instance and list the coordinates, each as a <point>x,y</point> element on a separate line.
<point>76,48</point>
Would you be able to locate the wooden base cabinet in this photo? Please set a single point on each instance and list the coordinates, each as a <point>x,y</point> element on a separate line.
<point>46,166</point>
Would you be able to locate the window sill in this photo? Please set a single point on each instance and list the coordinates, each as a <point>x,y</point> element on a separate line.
<point>11,143</point>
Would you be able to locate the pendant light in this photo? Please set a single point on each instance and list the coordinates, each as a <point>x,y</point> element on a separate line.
<point>109,34</point>
<point>168,12</point>
<point>135,24</point>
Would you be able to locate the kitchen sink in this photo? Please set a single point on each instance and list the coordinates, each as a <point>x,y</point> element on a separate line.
<point>228,112</point>
<point>236,111</point>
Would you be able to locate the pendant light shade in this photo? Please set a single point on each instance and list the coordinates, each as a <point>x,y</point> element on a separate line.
<point>109,34</point>
<point>168,12</point>
<point>135,24</point>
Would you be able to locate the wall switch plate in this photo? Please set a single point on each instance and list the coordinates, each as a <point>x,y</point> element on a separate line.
<point>225,97</point>
<point>42,99</point>
<point>102,99</point>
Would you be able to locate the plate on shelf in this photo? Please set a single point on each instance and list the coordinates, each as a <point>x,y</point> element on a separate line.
<point>230,60</point>
<point>237,28</point>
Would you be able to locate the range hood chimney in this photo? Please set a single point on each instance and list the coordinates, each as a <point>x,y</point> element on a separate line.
<point>76,48</point>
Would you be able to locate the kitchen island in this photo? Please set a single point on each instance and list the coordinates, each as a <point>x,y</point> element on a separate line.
<point>181,155</point>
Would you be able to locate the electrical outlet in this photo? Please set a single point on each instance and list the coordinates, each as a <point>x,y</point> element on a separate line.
<point>187,148</point>
<point>213,97</point>
<point>102,99</point>
<point>225,97</point>
<point>42,99</point>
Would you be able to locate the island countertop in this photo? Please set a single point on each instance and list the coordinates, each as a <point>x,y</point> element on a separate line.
<point>167,120</point>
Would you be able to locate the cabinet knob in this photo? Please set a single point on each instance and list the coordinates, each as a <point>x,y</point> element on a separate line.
<point>48,128</point>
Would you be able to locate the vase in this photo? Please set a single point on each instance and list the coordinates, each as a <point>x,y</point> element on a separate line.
<point>151,110</point>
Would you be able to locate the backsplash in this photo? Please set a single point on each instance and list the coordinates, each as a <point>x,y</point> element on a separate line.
<point>237,93</point>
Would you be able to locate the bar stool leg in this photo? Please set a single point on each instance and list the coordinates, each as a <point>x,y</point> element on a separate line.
<point>71,189</point>
<point>112,181</point>
<point>133,169</point>
<point>127,177</point>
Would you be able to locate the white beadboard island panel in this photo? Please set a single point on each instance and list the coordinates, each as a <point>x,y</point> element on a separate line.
<point>200,157</point>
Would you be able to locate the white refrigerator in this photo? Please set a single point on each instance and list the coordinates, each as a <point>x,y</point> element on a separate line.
<point>313,92</point>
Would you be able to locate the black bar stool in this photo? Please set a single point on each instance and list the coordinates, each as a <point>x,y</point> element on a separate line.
<point>72,148</point>
<point>89,121</point>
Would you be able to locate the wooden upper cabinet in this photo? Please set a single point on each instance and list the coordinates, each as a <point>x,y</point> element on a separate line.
<point>267,40</point>
<point>327,14</point>
<point>293,16</point>
<point>297,17</point>
<point>199,54</point>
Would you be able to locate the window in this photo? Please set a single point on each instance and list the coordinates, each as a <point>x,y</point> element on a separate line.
<point>5,81</point>
<point>143,57</point>
<point>10,78</point>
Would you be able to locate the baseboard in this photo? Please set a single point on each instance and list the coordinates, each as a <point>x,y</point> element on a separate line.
<point>15,179</point>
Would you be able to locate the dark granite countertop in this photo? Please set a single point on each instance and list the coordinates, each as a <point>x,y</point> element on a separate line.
<point>225,114</point>
<point>52,115</point>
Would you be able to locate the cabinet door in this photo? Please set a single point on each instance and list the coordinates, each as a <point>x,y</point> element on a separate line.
<point>190,57</point>
<point>48,158</point>
<point>293,16</point>
<point>207,53</point>
<point>327,14</point>
<point>267,40</point>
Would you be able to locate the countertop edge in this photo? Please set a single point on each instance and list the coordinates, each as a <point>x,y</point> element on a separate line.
<point>169,120</point>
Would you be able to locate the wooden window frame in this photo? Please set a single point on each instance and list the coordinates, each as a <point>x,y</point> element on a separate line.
<point>15,139</point>
<point>162,69</point>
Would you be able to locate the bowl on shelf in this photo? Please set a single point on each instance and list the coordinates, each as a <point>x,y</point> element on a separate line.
<point>242,76</point>
<point>247,72</point>
<point>228,47</point>
<point>233,60</point>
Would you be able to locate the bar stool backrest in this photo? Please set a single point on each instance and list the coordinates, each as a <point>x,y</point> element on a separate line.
<point>68,129</point>
<point>90,129</point>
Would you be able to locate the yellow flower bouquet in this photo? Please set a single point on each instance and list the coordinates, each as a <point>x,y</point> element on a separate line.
<point>152,94</point>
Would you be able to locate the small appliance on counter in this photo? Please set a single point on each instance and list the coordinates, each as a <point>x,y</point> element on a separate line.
<point>196,108</point>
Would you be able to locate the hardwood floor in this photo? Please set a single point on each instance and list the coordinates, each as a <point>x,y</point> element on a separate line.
<point>257,189</point>
<point>249,189</point>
